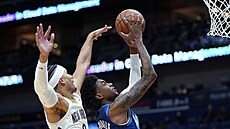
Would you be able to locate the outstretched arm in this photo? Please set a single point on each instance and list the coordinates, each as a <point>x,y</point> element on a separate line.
<point>84,58</point>
<point>45,92</point>
<point>124,101</point>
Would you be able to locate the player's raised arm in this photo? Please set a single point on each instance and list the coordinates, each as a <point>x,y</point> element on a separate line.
<point>124,101</point>
<point>45,92</point>
<point>84,58</point>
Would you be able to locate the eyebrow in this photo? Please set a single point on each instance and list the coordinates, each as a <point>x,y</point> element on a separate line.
<point>103,81</point>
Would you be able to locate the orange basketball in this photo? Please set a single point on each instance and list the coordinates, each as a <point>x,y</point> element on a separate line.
<point>120,24</point>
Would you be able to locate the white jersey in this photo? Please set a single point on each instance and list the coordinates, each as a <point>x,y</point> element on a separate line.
<point>75,117</point>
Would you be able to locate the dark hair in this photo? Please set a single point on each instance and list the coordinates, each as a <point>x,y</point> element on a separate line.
<point>88,93</point>
<point>51,69</point>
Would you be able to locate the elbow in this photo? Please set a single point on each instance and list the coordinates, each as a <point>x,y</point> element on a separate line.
<point>151,76</point>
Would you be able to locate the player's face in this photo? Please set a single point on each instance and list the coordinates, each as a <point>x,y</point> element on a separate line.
<point>107,90</point>
<point>69,82</point>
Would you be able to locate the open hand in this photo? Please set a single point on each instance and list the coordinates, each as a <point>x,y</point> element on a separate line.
<point>44,45</point>
<point>135,32</point>
<point>97,33</point>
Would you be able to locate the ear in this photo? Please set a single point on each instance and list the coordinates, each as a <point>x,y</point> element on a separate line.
<point>62,81</point>
<point>99,96</point>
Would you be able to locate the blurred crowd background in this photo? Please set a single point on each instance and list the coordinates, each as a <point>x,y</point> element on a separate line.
<point>187,95</point>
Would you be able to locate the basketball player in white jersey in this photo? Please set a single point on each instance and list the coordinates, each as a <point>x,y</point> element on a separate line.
<point>58,91</point>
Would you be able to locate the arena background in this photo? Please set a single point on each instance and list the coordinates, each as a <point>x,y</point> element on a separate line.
<point>191,92</point>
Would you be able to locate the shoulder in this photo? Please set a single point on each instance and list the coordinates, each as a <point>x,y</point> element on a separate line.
<point>103,112</point>
<point>77,97</point>
<point>104,107</point>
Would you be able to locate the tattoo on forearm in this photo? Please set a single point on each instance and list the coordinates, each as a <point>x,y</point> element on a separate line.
<point>135,93</point>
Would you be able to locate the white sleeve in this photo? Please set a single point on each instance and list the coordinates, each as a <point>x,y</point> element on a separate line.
<point>45,92</point>
<point>135,71</point>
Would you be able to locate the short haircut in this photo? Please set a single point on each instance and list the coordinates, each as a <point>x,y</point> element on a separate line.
<point>88,93</point>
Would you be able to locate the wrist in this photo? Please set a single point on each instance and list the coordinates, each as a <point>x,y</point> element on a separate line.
<point>139,40</point>
<point>89,38</point>
<point>133,50</point>
<point>43,58</point>
<point>41,64</point>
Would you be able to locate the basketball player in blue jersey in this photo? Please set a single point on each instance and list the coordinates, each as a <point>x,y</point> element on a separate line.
<point>58,91</point>
<point>113,108</point>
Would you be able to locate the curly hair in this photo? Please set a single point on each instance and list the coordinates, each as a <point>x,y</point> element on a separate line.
<point>88,93</point>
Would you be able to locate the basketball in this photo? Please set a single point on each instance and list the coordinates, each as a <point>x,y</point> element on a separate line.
<point>120,23</point>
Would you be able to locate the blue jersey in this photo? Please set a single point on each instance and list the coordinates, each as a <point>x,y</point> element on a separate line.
<point>104,122</point>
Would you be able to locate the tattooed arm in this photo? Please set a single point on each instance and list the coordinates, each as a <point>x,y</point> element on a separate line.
<point>118,109</point>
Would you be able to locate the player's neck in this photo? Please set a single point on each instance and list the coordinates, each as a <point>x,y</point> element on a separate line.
<point>67,94</point>
<point>104,102</point>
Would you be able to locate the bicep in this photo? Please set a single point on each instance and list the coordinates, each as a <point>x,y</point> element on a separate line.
<point>53,113</point>
<point>126,100</point>
<point>119,105</point>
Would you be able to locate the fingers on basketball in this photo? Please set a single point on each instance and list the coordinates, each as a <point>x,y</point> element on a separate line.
<point>131,16</point>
